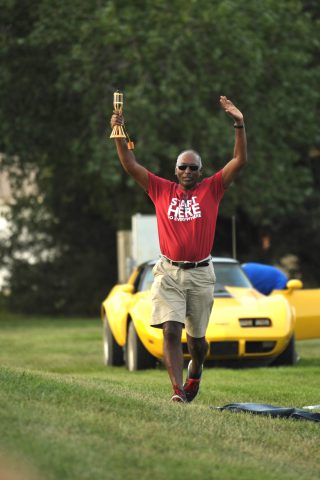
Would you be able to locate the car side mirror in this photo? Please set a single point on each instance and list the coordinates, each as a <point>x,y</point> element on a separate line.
<point>294,284</point>
<point>127,288</point>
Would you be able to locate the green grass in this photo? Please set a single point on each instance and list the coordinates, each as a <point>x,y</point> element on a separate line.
<point>68,417</point>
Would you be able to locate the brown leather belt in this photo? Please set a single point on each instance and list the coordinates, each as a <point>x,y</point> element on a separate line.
<point>187,265</point>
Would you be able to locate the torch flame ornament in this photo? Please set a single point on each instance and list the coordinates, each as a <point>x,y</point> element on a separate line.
<point>119,131</point>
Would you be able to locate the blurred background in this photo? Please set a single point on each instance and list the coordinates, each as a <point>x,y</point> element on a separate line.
<point>63,195</point>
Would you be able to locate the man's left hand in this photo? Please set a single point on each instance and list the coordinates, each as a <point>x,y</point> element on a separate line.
<point>231,109</point>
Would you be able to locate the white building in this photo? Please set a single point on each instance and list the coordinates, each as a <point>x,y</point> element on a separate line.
<point>5,198</point>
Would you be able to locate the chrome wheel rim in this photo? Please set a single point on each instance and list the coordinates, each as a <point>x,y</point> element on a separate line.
<point>130,354</point>
<point>106,349</point>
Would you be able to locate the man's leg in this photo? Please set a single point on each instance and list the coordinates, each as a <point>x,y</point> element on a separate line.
<point>198,348</point>
<point>172,352</point>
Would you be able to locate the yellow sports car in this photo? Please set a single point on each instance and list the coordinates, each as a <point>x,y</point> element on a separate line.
<point>245,327</point>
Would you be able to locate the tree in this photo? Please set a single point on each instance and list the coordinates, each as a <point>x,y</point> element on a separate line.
<point>61,63</point>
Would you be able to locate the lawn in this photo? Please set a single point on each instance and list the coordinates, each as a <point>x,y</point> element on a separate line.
<point>63,415</point>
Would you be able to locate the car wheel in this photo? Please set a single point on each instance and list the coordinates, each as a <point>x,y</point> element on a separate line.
<point>288,356</point>
<point>137,357</point>
<point>112,352</point>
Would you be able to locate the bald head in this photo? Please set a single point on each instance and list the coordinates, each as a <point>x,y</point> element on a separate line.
<point>190,154</point>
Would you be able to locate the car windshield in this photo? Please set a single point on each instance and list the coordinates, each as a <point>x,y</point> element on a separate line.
<point>230,274</point>
<point>146,279</point>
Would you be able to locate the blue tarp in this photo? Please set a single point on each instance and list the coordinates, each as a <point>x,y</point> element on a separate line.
<point>265,278</point>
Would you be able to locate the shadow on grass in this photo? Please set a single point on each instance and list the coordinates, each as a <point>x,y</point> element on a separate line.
<point>309,362</point>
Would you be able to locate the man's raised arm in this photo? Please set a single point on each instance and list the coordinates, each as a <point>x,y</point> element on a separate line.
<point>127,158</point>
<point>232,168</point>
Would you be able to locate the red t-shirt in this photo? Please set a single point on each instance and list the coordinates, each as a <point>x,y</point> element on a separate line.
<point>186,219</point>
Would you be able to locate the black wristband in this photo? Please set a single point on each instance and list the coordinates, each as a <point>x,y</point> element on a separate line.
<point>238,126</point>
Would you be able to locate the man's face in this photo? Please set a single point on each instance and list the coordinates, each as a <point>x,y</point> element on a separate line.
<point>189,175</point>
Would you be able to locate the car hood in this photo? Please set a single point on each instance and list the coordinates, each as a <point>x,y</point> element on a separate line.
<point>248,303</point>
<point>244,295</point>
<point>248,299</point>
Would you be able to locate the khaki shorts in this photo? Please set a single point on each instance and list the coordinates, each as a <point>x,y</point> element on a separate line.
<point>184,296</point>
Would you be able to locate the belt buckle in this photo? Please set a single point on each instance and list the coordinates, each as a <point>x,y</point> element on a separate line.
<point>189,265</point>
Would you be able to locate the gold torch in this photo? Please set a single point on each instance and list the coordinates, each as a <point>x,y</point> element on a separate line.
<point>119,131</point>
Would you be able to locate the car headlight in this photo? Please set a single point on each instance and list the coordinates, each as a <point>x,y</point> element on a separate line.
<point>255,322</point>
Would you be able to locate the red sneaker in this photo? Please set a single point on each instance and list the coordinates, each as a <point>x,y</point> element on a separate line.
<point>191,387</point>
<point>178,395</point>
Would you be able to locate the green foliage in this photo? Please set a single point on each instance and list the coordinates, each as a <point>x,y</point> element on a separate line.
<point>61,62</point>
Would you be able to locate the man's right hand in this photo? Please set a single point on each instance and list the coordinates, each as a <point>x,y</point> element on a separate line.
<point>116,119</point>
<point>127,157</point>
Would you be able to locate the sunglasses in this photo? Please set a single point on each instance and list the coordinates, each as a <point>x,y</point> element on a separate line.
<point>193,168</point>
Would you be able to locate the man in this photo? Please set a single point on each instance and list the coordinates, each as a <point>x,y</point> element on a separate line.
<point>182,292</point>
<point>265,278</point>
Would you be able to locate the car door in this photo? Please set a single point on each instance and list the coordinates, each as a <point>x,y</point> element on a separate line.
<point>306,303</point>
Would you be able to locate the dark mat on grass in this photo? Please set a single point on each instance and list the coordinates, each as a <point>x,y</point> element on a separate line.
<point>272,411</point>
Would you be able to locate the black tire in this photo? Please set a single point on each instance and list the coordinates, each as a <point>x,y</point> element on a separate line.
<point>137,357</point>
<point>112,352</point>
<point>288,356</point>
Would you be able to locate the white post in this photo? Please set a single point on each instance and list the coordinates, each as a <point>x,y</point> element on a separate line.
<point>234,237</point>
